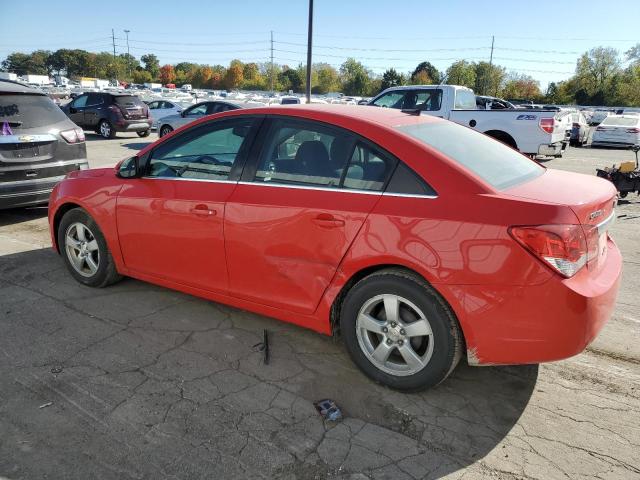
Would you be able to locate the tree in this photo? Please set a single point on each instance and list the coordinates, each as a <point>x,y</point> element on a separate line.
<point>291,79</point>
<point>327,79</point>
<point>17,63</point>
<point>633,54</point>
<point>595,72</point>
<point>521,86</point>
<point>250,71</point>
<point>431,73</point>
<point>422,78</point>
<point>167,74</point>
<point>233,77</point>
<point>489,78</point>
<point>462,73</point>
<point>391,78</point>
<point>202,76</point>
<point>355,77</point>
<point>142,76</point>
<point>151,64</point>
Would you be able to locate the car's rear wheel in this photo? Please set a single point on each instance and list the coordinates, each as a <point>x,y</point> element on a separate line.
<point>144,133</point>
<point>165,130</point>
<point>85,250</point>
<point>399,330</point>
<point>106,130</point>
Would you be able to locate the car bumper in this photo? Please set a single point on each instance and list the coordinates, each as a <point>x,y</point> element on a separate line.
<point>551,149</point>
<point>132,126</point>
<point>608,143</point>
<point>536,323</point>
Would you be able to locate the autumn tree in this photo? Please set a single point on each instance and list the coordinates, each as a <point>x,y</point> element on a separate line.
<point>167,74</point>
<point>233,77</point>
<point>521,86</point>
<point>425,73</point>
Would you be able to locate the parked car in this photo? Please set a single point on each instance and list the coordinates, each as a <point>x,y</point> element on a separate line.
<point>39,145</point>
<point>172,122</point>
<point>412,236</point>
<point>484,102</point>
<point>163,108</point>
<point>617,131</point>
<point>538,132</point>
<point>579,129</point>
<point>109,113</point>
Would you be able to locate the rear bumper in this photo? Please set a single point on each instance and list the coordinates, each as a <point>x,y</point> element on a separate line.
<point>132,125</point>
<point>606,143</point>
<point>551,149</point>
<point>538,323</point>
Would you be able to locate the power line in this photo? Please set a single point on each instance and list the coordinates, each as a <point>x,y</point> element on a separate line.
<point>189,44</point>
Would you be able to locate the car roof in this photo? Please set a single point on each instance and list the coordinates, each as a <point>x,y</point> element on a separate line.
<point>9,86</point>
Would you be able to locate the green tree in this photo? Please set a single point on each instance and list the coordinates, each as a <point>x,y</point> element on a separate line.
<point>521,86</point>
<point>291,79</point>
<point>391,78</point>
<point>489,78</point>
<point>17,63</point>
<point>327,79</point>
<point>355,77</point>
<point>462,73</point>
<point>595,73</point>
<point>417,77</point>
<point>151,64</point>
<point>142,76</point>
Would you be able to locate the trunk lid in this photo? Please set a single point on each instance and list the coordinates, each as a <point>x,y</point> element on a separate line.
<point>591,199</point>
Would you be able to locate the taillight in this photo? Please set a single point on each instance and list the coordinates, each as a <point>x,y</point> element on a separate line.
<point>562,247</point>
<point>633,130</point>
<point>547,124</point>
<point>75,135</point>
<point>576,125</point>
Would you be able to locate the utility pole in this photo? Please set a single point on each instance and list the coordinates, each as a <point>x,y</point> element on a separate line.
<point>491,60</point>
<point>271,72</point>
<point>309,38</point>
<point>113,41</point>
<point>126,32</point>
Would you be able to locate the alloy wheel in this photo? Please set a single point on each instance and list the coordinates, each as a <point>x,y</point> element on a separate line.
<point>105,129</point>
<point>394,335</point>
<point>82,249</point>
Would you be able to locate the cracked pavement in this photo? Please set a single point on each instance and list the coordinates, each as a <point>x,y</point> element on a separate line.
<point>147,383</point>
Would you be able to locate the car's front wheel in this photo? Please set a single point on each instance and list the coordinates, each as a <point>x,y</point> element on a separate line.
<point>105,129</point>
<point>165,130</point>
<point>399,330</point>
<point>84,250</point>
<point>144,133</point>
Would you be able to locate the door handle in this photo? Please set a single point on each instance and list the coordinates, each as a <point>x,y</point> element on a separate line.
<point>202,210</point>
<point>326,220</point>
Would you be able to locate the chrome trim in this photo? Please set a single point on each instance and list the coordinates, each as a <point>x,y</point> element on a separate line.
<point>28,181</point>
<point>32,138</point>
<point>305,187</point>
<point>409,195</point>
<point>189,179</point>
<point>26,194</point>
<point>26,165</point>
<point>605,224</point>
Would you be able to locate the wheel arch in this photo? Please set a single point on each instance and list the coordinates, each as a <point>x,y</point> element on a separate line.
<point>334,312</point>
<point>503,137</point>
<point>57,218</point>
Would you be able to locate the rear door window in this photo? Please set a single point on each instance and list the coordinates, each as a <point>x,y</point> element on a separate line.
<point>368,169</point>
<point>80,102</point>
<point>29,111</point>
<point>94,99</point>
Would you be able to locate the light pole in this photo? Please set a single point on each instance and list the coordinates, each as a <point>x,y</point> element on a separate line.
<point>309,37</point>
<point>126,32</point>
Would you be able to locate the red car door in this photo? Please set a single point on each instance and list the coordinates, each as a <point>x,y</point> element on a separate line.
<point>170,221</point>
<point>291,220</point>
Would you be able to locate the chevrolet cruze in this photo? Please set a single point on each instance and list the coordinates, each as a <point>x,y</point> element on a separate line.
<point>419,240</point>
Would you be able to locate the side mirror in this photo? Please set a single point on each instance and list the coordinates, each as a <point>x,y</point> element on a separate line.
<point>127,168</point>
<point>183,114</point>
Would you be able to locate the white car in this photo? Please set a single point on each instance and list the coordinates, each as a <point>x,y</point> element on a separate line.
<point>617,131</point>
<point>163,108</point>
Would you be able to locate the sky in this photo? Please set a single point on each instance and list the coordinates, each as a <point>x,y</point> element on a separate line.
<point>542,39</point>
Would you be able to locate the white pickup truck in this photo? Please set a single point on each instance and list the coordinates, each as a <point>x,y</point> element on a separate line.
<point>533,132</point>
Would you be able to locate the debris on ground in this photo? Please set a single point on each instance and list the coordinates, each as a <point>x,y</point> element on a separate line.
<point>263,346</point>
<point>328,409</point>
<point>45,405</point>
<point>56,369</point>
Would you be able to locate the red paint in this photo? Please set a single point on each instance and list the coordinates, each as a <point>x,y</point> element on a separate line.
<point>287,252</point>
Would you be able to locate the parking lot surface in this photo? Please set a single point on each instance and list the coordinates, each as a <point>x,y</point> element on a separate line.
<point>136,381</point>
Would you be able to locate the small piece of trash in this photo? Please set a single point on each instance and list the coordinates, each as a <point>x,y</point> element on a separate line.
<point>263,346</point>
<point>328,409</point>
<point>57,369</point>
<point>45,405</point>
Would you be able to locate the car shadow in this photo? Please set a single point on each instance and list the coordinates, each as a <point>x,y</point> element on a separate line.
<point>452,425</point>
<point>14,216</point>
<point>137,145</point>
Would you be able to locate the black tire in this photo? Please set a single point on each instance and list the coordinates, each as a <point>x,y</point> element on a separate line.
<point>106,272</point>
<point>144,133</point>
<point>447,336</point>
<point>105,129</point>
<point>164,130</point>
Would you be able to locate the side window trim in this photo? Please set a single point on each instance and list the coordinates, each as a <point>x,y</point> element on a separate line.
<point>238,165</point>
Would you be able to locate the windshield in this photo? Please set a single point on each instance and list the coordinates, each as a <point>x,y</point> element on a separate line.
<point>465,100</point>
<point>29,111</point>
<point>497,164</point>
<point>621,121</point>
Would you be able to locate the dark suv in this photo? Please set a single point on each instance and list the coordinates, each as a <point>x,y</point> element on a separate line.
<point>108,113</point>
<point>39,145</point>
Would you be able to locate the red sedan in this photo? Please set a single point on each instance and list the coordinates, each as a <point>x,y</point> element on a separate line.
<point>416,238</point>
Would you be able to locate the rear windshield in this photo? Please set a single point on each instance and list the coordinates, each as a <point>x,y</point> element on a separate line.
<point>622,121</point>
<point>128,100</point>
<point>465,100</point>
<point>498,165</point>
<point>29,111</point>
